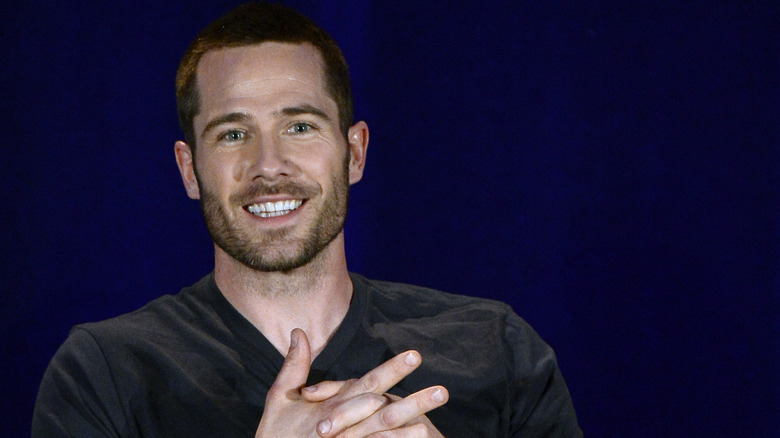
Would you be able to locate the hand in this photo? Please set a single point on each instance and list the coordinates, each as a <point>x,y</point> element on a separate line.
<point>402,419</point>
<point>355,407</point>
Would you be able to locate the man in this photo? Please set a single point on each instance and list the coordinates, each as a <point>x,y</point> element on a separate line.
<point>281,340</point>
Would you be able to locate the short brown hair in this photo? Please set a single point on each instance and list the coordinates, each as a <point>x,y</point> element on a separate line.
<point>255,23</point>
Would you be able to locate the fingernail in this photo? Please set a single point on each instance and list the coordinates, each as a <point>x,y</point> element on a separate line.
<point>411,359</point>
<point>323,427</point>
<point>438,396</point>
<point>293,339</point>
<point>310,388</point>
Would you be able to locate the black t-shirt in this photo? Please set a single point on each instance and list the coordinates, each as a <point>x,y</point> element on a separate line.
<point>189,365</point>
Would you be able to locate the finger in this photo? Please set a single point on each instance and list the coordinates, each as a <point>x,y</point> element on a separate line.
<point>385,376</point>
<point>417,430</point>
<point>324,390</point>
<point>393,397</point>
<point>295,369</point>
<point>378,380</point>
<point>350,412</point>
<point>400,413</point>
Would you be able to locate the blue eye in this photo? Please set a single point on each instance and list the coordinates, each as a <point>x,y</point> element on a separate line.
<point>234,135</point>
<point>300,128</point>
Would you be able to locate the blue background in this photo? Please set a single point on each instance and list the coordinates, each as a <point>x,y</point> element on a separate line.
<point>608,168</point>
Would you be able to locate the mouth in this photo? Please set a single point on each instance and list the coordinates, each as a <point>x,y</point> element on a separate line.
<point>273,209</point>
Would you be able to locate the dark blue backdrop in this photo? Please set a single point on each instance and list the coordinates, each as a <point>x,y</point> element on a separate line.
<point>609,168</point>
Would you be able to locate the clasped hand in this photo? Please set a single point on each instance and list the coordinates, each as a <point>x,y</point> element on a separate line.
<point>346,409</point>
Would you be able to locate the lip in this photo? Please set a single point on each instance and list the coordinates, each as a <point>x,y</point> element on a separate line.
<point>273,198</point>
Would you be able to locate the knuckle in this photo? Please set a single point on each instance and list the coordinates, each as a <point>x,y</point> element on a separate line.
<point>274,392</point>
<point>275,397</point>
<point>364,402</point>
<point>388,418</point>
<point>377,401</point>
<point>421,405</point>
<point>349,387</point>
<point>370,382</point>
<point>399,368</point>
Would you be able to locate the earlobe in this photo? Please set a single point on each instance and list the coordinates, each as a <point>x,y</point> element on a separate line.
<point>187,169</point>
<point>358,147</point>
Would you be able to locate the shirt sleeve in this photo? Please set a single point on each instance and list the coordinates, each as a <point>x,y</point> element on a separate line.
<point>77,396</point>
<point>542,406</point>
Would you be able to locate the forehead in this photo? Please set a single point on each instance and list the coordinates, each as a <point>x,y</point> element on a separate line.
<point>266,69</point>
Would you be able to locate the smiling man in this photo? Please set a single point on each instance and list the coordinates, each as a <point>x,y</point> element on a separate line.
<point>281,340</point>
<point>274,172</point>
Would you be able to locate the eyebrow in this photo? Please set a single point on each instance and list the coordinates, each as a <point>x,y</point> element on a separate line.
<point>225,118</point>
<point>305,109</point>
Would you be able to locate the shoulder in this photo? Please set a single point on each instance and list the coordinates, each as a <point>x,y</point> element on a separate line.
<point>411,301</point>
<point>441,321</point>
<point>126,350</point>
<point>403,311</point>
<point>160,321</point>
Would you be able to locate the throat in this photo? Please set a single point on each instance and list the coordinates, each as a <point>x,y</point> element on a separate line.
<point>319,313</point>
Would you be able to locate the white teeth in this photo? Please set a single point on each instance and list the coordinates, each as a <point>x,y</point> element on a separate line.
<point>271,209</point>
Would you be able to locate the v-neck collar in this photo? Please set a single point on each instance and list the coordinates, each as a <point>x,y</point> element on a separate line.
<point>258,345</point>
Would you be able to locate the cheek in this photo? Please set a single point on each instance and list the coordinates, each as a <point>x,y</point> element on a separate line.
<point>236,172</point>
<point>335,171</point>
<point>213,175</point>
<point>227,166</point>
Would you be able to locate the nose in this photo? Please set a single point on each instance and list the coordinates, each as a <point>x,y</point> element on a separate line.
<point>267,159</point>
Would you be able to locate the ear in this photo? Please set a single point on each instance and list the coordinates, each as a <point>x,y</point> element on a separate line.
<point>357,137</point>
<point>187,169</point>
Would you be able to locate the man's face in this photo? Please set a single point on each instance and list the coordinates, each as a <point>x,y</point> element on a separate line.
<point>273,168</point>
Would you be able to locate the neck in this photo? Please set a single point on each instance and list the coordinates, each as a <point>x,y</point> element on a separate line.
<point>314,297</point>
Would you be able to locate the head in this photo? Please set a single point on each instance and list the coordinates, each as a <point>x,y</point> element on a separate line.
<point>264,96</point>
<point>251,24</point>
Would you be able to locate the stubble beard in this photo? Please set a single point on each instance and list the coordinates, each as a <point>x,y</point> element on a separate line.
<point>277,250</point>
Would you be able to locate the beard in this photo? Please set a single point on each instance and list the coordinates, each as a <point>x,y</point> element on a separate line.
<point>277,250</point>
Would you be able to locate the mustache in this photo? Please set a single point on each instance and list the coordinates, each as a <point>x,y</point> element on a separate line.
<point>257,190</point>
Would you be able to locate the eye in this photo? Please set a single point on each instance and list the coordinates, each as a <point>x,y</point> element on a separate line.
<point>300,128</point>
<point>233,135</point>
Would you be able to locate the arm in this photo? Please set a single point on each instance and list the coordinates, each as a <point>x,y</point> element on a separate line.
<point>77,395</point>
<point>541,404</point>
<point>354,408</point>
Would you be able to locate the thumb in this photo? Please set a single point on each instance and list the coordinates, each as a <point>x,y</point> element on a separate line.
<point>295,370</point>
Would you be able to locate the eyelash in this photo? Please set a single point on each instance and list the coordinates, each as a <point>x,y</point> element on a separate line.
<point>291,130</point>
<point>309,127</point>
<point>226,135</point>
